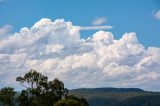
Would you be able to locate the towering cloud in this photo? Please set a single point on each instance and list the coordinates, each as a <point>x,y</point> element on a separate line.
<point>56,49</point>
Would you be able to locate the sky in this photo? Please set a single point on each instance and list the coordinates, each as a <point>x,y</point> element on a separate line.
<point>90,43</point>
<point>124,15</point>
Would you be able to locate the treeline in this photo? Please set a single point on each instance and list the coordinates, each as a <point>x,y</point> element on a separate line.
<point>39,92</point>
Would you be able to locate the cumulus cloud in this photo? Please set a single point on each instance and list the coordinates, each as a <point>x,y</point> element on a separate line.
<point>55,49</point>
<point>99,21</point>
<point>157,15</point>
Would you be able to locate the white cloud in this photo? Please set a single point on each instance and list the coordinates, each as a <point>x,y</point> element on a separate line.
<point>53,48</point>
<point>99,21</point>
<point>56,49</point>
<point>106,37</point>
<point>5,30</point>
<point>95,27</point>
<point>157,15</point>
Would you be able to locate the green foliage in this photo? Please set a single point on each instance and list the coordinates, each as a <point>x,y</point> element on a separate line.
<point>7,96</point>
<point>33,80</point>
<point>82,101</point>
<point>23,98</point>
<point>67,102</point>
<point>39,91</point>
<point>72,100</point>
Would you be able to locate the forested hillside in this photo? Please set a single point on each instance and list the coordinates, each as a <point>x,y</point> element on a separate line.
<point>118,97</point>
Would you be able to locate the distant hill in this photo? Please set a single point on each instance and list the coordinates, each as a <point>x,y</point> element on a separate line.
<point>108,90</point>
<point>115,96</point>
<point>118,96</point>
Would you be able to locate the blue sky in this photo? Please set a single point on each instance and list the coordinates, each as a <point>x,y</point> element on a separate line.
<point>123,15</point>
<point>111,57</point>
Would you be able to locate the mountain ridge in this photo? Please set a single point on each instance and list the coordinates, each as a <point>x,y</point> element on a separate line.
<point>109,89</point>
<point>108,96</point>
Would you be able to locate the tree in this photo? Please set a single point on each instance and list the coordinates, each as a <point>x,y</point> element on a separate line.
<point>32,80</point>
<point>39,91</point>
<point>56,88</point>
<point>23,98</point>
<point>7,96</point>
<point>35,84</point>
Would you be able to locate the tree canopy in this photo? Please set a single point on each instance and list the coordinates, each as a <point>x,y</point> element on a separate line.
<point>41,92</point>
<point>7,96</point>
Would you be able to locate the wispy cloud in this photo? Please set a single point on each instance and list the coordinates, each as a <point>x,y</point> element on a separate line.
<point>5,29</point>
<point>157,15</point>
<point>95,27</point>
<point>99,21</point>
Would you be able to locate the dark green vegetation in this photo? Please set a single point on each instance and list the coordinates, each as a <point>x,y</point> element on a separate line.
<point>39,92</point>
<point>118,97</point>
<point>7,96</point>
